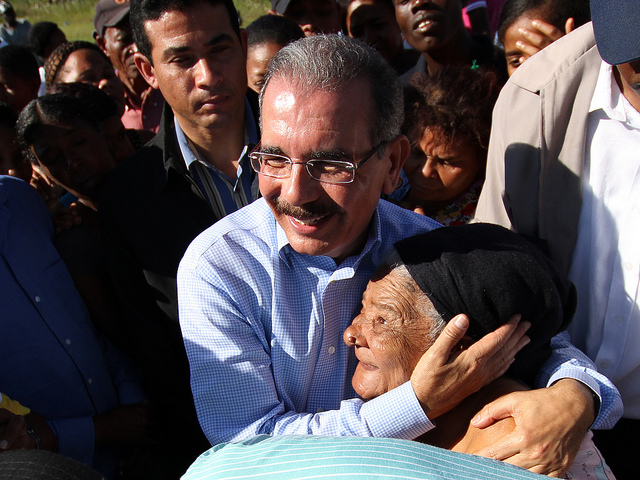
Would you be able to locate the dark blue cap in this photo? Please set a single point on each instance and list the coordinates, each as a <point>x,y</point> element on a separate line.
<point>616,24</point>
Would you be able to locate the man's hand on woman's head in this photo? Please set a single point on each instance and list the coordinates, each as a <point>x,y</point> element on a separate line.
<point>550,425</point>
<point>448,373</point>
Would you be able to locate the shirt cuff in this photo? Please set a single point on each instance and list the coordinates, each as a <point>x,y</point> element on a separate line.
<point>397,414</point>
<point>582,377</point>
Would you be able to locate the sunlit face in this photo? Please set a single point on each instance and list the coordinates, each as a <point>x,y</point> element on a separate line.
<point>439,172</point>
<point>374,22</point>
<point>315,16</point>
<point>389,335</point>
<point>77,157</point>
<point>320,218</point>
<point>428,25</point>
<point>258,59</point>
<point>199,64</point>
<point>120,47</point>
<point>89,66</point>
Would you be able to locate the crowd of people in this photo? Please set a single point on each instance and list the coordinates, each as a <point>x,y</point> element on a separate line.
<point>409,223</point>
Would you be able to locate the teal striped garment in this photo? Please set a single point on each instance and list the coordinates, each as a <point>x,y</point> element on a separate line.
<point>289,457</point>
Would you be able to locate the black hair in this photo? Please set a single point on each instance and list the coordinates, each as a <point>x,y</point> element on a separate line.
<point>59,57</point>
<point>455,102</point>
<point>555,12</point>
<point>40,36</point>
<point>144,10</point>
<point>97,101</point>
<point>52,109</point>
<point>20,62</point>
<point>273,29</point>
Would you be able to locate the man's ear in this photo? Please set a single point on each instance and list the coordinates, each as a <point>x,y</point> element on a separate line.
<point>397,151</point>
<point>100,42</point>
<point>569,25</point>
<point>146,69</point>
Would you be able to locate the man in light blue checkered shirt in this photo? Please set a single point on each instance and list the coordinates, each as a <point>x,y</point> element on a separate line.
<point>266,293</point>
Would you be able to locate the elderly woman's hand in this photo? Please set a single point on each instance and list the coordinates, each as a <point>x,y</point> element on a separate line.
<point>543,441</point>
<point>447,373</point>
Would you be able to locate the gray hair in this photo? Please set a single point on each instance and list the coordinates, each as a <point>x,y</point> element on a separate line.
<point>329,63</point>
<point>423,306</point>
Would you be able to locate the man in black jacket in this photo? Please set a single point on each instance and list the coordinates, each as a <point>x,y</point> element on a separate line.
<point>194,172</point>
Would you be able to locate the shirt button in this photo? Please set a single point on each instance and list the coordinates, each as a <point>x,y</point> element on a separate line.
<point>628,265</point>
<point>617,319</point>
<point>331,350</point>
<point>89,381</point>
<point>68,340</point>
<point>320,410</point>
<point>144,117</point>
<point>38,299</point>
<point>604,365</point>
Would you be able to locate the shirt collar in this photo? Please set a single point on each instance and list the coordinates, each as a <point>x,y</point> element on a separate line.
<point>607,95</point>
<point>191,155</point>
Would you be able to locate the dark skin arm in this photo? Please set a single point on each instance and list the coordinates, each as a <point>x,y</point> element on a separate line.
<point>14,435</point>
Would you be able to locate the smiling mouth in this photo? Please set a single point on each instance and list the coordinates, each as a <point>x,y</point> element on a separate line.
<point>307,222</point>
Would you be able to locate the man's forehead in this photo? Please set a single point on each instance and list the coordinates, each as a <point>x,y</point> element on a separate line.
<point>212,17</point>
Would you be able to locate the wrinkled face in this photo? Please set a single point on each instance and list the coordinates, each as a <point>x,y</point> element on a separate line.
<point>389,335</point>
<point>320,218</point>
<point>199,65</point>
<point>120,48</point>
<point>76,157</point>
<point>374,22</point>
<point>315,16</point>
<point>88,66</point>
<point>428,25</point>
<point>16,91</point>
<point>441,172</point>
<point>258,59</point>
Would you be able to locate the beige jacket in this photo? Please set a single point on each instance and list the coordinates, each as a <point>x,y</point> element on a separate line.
<point>537,146</point>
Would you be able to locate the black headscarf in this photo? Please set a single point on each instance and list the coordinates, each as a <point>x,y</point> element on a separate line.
<point>490,273</point>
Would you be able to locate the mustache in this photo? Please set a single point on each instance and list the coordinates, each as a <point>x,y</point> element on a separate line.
<point>309,210</point>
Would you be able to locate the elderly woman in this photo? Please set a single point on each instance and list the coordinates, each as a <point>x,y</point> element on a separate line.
<point>486,272</point>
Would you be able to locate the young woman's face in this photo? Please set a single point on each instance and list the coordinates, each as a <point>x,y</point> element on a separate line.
<point>75,156</point>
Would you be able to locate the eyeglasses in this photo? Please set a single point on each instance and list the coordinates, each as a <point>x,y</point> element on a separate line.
<point>326,171</point>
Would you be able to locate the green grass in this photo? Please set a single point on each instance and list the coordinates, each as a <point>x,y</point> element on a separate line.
<point>75,17</point>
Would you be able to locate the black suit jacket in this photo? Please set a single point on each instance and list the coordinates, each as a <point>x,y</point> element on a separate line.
<point>150,212</point>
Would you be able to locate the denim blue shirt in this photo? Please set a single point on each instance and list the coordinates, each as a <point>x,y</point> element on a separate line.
<point>52,359</point>
<point>263,328</point>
